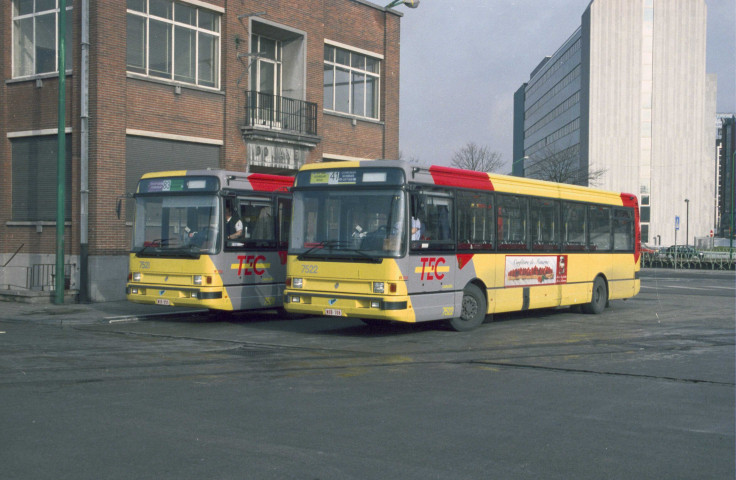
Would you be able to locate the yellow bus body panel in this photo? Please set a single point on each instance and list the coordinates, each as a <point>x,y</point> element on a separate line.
<point>347,287</point>
<point>172,280</point>
<point>171,173</point>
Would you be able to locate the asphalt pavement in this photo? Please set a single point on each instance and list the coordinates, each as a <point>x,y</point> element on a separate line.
<point>80,313</point>
<point>122,310</point>
<point>118,390</point>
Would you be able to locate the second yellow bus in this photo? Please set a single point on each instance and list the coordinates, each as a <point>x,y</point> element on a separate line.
<point>391,241</point>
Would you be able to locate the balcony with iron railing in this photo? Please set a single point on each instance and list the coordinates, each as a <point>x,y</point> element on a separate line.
<point>268,115</point>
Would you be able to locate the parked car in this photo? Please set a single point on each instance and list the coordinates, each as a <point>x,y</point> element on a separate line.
<point>682,251</point>
<point>647,249</point>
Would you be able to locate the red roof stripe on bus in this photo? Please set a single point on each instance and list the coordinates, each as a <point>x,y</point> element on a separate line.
<point>630,201</point>
<point>455,177</point>
<point>263,182</point>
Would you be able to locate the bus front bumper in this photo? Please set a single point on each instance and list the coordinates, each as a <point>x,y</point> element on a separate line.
<point>393,308</point>
<point>174,296</point>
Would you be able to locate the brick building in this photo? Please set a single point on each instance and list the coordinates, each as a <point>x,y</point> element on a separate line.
<point>175,84</point>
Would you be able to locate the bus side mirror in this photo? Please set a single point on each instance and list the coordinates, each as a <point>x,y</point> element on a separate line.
<point>119,206</point>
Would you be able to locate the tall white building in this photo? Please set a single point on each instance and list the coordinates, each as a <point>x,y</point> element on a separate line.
<point>627,97</point>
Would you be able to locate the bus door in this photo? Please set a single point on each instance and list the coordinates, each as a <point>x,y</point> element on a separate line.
<point>432,266</point>
<point>253,270</point>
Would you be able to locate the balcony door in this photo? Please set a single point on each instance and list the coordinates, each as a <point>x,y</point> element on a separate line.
<point>266,76</point>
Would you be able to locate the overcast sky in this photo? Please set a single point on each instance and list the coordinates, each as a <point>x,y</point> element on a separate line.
<point>462,61</point>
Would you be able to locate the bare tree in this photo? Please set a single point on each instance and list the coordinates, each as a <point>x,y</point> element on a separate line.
<point>478,158</point>
<point>411,159</point>
<point>562,166</point>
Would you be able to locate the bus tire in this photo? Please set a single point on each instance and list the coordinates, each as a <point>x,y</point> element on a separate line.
<point>472,311</point>
<point>599,298</point>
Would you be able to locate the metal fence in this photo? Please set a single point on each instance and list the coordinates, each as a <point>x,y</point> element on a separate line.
<point>41,276</point>
<point>703,261</point>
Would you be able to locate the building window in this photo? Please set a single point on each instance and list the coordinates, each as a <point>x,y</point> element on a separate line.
<point>34,183</point>
<point>173,41</point>
<point>351,82</point>
<point>267,66</point>
<point>35,37</point>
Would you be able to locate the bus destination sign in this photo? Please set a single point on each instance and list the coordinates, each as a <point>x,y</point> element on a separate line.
<point>178,184</point>
<point>336,177</point>
<point>361,176</point>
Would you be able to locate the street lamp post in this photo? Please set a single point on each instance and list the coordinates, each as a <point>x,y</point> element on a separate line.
<point>687,222</point>
<point>408,3</point>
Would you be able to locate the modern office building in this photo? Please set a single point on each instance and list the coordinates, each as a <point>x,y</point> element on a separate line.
<point>726,157</point>
<point>625,104</point>
<point>171,85</point>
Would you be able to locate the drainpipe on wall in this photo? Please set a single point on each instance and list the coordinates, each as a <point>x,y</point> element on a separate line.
<point>84,161</point>
<point>385,93</point>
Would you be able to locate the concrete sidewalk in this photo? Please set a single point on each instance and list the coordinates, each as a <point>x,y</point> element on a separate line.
<point>76,313</point>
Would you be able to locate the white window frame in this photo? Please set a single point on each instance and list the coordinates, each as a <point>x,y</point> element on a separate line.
<point>278,81</point>
<point>351,70</point>
<point>33,15</point>
<point>198,6</point>
<point>259,61</point>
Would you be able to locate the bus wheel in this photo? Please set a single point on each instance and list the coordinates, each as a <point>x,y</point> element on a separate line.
<point>473,310</point>
<point>600,297</point>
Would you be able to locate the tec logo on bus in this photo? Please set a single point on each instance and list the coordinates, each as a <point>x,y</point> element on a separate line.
<point>251,264</point>
<point>433,268</point>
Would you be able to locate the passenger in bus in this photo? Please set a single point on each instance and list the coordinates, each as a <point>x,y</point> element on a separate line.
<point>233,225</point>
<point>416,228</point>
<point>417,218</point>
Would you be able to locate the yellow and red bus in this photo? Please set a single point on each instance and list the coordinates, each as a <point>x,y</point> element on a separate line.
<point>185,251</point>
<point>387,240</point>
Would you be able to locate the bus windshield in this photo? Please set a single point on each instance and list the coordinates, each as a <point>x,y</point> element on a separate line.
<point>176,225</point>
<point>345,224</point>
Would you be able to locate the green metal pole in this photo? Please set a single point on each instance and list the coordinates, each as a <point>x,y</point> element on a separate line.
<point>61,159</point>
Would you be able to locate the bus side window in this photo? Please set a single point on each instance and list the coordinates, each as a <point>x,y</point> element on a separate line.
<point>512,222</point>
<point>434,210</point>
<point>264,227</point>
<point>475,223</point>
<point>599,226</point>
<point>544,214</point>
<point>623,230</point>
<point>249,214</point>
<point>573,227</point>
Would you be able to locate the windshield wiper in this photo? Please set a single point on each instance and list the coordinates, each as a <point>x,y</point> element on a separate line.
<point>190,251</point>
<point>319,246</point>
<point>331,244</point>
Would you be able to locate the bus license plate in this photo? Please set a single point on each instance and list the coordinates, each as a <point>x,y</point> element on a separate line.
<point>163,301</point>
<point>334,312</point>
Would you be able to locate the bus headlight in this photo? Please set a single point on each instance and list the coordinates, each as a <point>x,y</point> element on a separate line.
<point>375,304</point>
<point>137,276</point>
<point>378,287</point>
<point>198,279</point>
<point>297,282</point>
